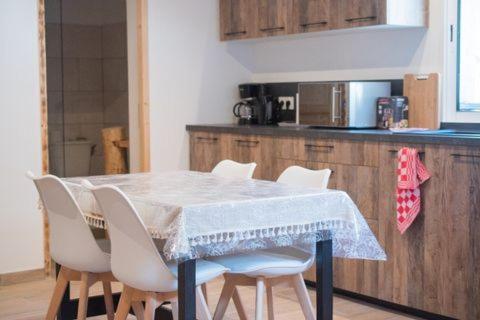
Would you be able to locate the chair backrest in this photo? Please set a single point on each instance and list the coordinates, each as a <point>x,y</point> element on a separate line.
<point>135,258</point>
<point>233,169</point>
<point>299,176</point>
<point>72,243</point>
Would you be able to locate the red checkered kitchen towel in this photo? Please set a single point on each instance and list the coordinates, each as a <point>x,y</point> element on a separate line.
<point>411,174</point>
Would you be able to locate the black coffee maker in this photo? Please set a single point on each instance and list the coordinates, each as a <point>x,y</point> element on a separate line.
<point>256,107</point>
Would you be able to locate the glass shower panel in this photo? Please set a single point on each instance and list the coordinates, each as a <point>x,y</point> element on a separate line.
<point>53,37</point>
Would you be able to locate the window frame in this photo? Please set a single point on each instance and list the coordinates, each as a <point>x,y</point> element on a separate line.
<point>452,64</point>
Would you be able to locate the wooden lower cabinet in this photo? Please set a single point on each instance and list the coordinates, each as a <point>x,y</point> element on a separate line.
<point>246,149</point>
<point>435,265</point>
<point>452,229</point>
<point>205,151</point>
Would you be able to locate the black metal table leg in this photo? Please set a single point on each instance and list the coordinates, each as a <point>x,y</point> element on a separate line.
<point>186,290</point>
<point>324,280</point>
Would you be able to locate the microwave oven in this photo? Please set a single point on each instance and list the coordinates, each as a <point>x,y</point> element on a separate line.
<point>351,104</point>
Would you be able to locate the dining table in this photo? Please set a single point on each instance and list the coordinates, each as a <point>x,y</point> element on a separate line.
<point>198,215</point>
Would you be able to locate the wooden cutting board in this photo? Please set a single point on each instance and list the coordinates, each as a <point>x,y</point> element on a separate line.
<point>423,96</point>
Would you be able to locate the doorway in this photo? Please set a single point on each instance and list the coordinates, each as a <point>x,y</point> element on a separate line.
<point>87,85</point>
<point>94,88</point>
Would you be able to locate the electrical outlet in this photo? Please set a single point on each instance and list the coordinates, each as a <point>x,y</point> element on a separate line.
<point>287,103</point>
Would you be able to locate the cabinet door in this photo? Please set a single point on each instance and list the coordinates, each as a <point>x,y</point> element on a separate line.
<point>272,17</point>
<point>246,149</point>
<point>311,15</point>
<point>358,13</point>
<point>401,277</point>
<point>234,19</point>
<point>205,151</point>
<point>361,184</point>
<point>359,276</point>
<point>452,237</point>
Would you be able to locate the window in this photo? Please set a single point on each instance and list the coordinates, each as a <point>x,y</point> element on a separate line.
<point>468,56</point>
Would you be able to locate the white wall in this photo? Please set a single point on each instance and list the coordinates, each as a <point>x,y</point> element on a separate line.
<point>21,241</point>
<point>384,54</point>
<point>193,76</point>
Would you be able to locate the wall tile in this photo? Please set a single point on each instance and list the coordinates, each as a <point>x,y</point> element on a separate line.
<point>83,107</point>
<point>55,108</point>
<point>54,74</point>
<point>93,133</point>
<point>53,40</point>
<point>82,41</point>
<point>114,40</point>
<point>89,74</point>
<point>72,132</point>
<point>115,74</point>
<point>116,107</point>
<point>70,74</point>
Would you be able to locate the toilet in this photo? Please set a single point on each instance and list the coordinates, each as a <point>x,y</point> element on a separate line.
<point>77,158</point>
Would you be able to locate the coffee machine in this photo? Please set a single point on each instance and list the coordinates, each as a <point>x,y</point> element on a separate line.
<point>256,107</point>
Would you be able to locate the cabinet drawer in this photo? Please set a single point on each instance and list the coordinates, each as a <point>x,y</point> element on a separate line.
<point>205,151</point>
<point>358,153</point>
<point>361,184</point>
<point>305,149</point>
<point>247,148</point>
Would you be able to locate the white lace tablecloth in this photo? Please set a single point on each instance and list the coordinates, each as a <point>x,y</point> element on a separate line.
<point>201,214</point>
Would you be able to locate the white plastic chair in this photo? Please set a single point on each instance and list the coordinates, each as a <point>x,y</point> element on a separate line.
<point>233,169</point>
<point>73,246</point>
<point>138,264</point>
<point>267,268</point>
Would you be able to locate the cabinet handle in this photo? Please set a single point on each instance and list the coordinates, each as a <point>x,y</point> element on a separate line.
<point>207,139</point>
<point>421,153</point>
<point>247,143</point>
<point>361,19</point>
<point>235,33</point>
<point>272,29</point>
<point>458,155</point>
<point>311,24</point>
<point>314,146</point>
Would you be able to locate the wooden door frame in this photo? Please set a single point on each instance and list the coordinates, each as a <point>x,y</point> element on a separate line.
<point>143,99</point>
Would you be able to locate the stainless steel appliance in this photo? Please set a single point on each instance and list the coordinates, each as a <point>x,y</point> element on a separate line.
<point>340,104</point>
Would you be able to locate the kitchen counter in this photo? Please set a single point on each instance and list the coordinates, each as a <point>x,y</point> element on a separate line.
<point>428,137</point>
<point>442,240</point>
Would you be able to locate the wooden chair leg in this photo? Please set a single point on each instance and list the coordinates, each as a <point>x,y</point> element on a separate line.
<point>174,309</point>
<point>124,304</point>
<point>303,297</point>
<point>83,299</point>
<point>151,304</point>
<point>138,309</point>
<point>202,308</point>
<point>225,296</point>
<point>259,298</point>
<point>58,292</point>
<point>271,314</point>
<point>204,291</point>
<point>239,305</point>
<point>107,295</point>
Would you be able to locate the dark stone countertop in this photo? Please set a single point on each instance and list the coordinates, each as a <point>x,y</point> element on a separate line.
<point>359,134</point>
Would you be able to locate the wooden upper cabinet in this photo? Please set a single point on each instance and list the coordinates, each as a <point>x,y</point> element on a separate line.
<point>358,13</point>
<point>272,17</point>
<point>245,19</point>
<point>235,19</point>
<point>311,15</point>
